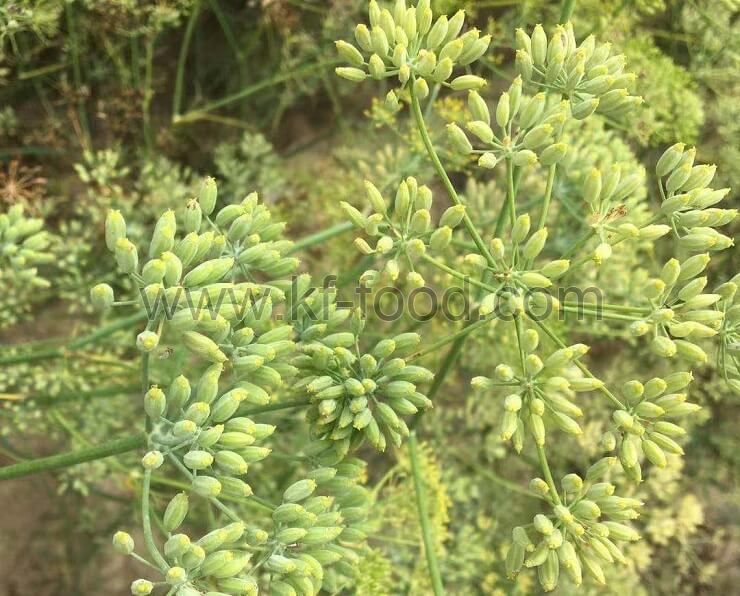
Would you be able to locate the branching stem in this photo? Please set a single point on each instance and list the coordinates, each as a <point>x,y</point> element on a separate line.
<point>439,168</point>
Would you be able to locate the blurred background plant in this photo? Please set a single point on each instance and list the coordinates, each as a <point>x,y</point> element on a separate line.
<point>126,103</point>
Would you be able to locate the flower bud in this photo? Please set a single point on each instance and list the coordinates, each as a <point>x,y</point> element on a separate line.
<point>349,53</point>
<point>669,160</point>
<point>207,196</point>
<point>459,139</point>
<point>206,486</point>
<point>478,107</point>
<point>176,511</point>
<point>141,587</point>
<point>102,296</point>
<point>351,74</point>
<point>198,460</point>
<point>440,238</point>
<point>123,543</point>
<point>115,229</point>
<point>152,460</point>
<point>553,154</point>
<point>155,403</point>
<point>524,157</point>
<point>127,256</point>
<point>176,546</point>
<point>467,82</point>
<point>663,346</point>
<point>535,244</point>
<point>299,491</point>
<point>176,576</point>
<point>488,161</point>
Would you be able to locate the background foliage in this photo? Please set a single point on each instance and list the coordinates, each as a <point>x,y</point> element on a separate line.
<point>128,103</point>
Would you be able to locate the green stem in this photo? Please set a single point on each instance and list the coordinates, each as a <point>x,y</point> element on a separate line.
<point>616,307</point>
<point>72,458</point>
<point>501,217</point>
<point>274,407</point>
<point>579,243</point>
<point>457,274</point>
<point>561,344</point>
<point>77,73</point>
<point>582,310</point>
<point>445,367</point>
<point>426,530</point>
<point>542,456</point>
<point>464,332</point>
<point>146,101</point>
<point>566,10</point>
<point>439,168</point>
<point>493,477</point>
<point>322,236</point>
<point>510,203</point>
<point>181,59</point>
<point>75,344</point>
<point>548,196</point>
<point>197,114</point>
<point>147,523</point>
<point>587,258</point>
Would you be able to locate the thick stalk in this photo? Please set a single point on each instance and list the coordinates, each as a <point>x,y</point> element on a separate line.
<point>423,509</point>
<point>72,458</point>
<point>75,344</point>
<point>566,10</point>
<point>439,168</point>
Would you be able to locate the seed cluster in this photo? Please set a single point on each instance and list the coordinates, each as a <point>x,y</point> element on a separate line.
<point>587,74</point>
<point>239,355</point>
<point>403,230</point>
<point>408,44</point>
<point>515,274</point>
<point>356,395</point>
<point>24,247</point>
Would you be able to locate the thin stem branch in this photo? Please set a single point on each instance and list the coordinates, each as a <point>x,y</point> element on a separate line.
<point>464,332</point>
<point>561,344</point>
<point>181,60</point>
<point>322,236</point>
<point>510,193</point>
<point>197,114</point>
<point>542,457</point>
<point>548,196</point>
<point>273,407</point>
<point>457,274</point>
<point>147,523</point>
